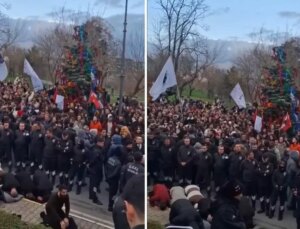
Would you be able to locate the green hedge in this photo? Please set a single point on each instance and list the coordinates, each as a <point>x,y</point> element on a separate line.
<point>8,221</point>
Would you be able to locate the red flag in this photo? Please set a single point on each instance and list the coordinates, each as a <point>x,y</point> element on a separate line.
<point>94,100</point>
<point>286,122</point>
<point>55,95</point>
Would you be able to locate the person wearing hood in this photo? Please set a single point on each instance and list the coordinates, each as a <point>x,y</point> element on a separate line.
<point>226,214</point>
<point>116,142</point>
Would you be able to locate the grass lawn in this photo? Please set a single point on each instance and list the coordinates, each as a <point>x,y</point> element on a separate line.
<point>8,221</point>
<point>196,95</point>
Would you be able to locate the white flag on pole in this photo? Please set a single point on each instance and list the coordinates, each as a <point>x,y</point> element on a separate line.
<point>59,100</point>
<point>165,80</point>
<point>238,96</point>
<point>35,80</point>
<point>3,69</point>
<point>258,123</point>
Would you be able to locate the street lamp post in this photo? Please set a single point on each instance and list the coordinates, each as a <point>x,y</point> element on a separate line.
<point>123,61</point>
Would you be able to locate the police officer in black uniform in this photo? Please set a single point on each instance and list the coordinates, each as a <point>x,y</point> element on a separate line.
<point>220,168</point>
<point>235,160</point>
<point>185,156</point>
<point>203,165</point>
<point>78,164</point>
<point>167,161</point>
<point>64,156</point>
<point>113,171</point>
<point>36,147</point>
<point>7,140</point>
<point>95,166</point>
<point>265,172</point>
<point>21,144</point>
<point>131,169</point>
<point>249,169</point>
<point>52,146</point>
<point>280,183</point>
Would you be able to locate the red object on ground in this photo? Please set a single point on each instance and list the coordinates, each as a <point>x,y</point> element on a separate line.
<point>160,194</point>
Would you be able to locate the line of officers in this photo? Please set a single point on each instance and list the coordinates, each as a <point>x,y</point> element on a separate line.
<point>61,152</point>
<point>262,175</point>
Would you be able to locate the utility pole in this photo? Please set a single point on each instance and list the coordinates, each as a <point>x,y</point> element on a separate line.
<point>123,61</point>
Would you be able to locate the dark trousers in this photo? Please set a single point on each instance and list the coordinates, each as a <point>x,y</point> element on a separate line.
<point>76,172</point>
<point>93,186</point>
<point>113,189</point>
<point>281,194</point>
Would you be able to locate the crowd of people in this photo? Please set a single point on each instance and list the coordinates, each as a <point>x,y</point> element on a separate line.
<point>43,147</point>
<point>233,170</point>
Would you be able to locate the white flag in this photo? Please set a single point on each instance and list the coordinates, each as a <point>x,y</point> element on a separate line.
<point>59,100</point>
<point>3,70</point>
<point>35,80</point>
<point>238,96</point>
<point>258,123</point>
<point>165,80</point>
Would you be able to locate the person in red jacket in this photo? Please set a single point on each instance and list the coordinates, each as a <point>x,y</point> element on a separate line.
<point>95,124</point>
<point>160,196</point>
<point>295,146</point>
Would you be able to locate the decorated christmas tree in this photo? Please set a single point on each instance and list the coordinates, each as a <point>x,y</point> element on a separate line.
<point>278,93</point>
<point>81,67</point>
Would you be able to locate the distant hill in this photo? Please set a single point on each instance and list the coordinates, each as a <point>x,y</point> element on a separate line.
<point>228,50</point>
<point>32,27</point>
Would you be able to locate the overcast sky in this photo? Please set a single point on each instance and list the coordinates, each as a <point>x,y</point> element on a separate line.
<point>237,19</point>
<point>41,8</point>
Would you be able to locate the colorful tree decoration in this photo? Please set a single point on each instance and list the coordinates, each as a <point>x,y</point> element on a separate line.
<point>278,92</point>
<point>81,67</point>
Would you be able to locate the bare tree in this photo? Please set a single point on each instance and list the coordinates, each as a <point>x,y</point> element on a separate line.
<point>136,47</point>
<point>9,32</point>
<point>180,21</point>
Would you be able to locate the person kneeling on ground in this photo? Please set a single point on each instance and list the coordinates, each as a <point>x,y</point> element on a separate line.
<point>183,212</point>
<point>42,186</point>
<point>55,216</point>
<point>10,187</point>
<point>26,184</point>
<point>160,197</point>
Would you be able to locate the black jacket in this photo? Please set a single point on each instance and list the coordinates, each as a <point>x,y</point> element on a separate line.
<point>37,142</point>
<point>41,181</point>
<point>26,184</point>
<point>186,154</point>
<point>22,139</point>
<point>280,180</point>
<point>265,172</point>
<point>113,169</point>
<point>249,170</point>
<point>203,164</point>
<point>119,218</point>
<point>9,181</point>
<point>7,140</point>
<point>184,214</point>
<point>167,157</point>
<point>227,216</point>
<point>96,160</point>
<point>66,150</point>
<point>220,169</point>
<point>129,171</point>
<point>235,161</point>
<point>52,146</point>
